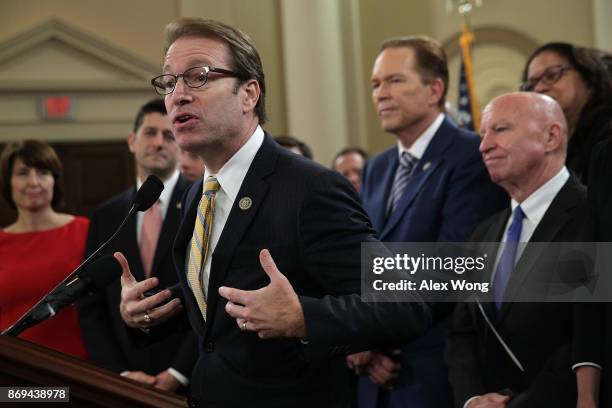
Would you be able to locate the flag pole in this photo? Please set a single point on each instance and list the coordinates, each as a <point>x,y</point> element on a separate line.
<point>465,41</point>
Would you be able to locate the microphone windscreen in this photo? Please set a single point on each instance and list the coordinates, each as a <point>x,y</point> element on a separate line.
<point>148,193</point>
<point>102,272</point>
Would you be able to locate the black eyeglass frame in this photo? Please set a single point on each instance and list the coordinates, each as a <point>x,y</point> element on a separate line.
<point>553,77</point>
<point>207,70</point>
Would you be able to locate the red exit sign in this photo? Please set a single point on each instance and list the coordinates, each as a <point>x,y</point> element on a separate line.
<point>57,107</point>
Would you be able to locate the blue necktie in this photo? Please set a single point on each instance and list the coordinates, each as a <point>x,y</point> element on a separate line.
<point>402,175</point>
<point>506,262</point>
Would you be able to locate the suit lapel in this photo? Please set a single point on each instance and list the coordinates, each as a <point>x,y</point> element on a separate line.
<point>181,244</point>
<point>492,238</point>
<point>554,220</point>
<point>385,175</point>
<point>414,186</point>
<point>254,187</point>
<point>171,222</point>
<point>426,166</point>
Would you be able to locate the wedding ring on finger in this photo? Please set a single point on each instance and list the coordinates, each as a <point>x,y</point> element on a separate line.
<point>147,318</point>
<point>243,327</point>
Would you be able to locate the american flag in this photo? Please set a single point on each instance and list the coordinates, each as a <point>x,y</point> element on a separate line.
<point>464,104</point>
<point>469,114</point>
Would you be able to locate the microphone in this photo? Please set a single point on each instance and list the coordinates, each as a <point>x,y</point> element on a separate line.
<point>95,277</point>
<point>146,195</point>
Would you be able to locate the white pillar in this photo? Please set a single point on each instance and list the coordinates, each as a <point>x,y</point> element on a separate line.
<point>315,75</point>
<point>602,28</point>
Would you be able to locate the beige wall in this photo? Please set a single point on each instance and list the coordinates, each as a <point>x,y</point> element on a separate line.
<point>357,26</point>
<point>134,27</point>
<point>134,24</point>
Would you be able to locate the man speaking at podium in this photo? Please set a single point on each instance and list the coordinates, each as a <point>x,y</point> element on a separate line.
<point>260,211</point>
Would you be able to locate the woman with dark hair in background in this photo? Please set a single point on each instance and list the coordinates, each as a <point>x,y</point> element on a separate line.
<point>41,247</point>
<point>579,79</point>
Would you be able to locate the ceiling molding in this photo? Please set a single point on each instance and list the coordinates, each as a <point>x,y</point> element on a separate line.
<point>496,35</point>
<point>97,49</point>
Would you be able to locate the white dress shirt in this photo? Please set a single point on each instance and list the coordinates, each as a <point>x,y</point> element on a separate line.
<point>230,178</point>
<point>534,207</point>
<point>417,150</point>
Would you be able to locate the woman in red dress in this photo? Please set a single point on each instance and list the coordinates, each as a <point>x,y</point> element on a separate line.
<point>41,247</point>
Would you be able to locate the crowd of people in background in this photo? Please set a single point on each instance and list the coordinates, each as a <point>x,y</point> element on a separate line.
<point>523,179</point>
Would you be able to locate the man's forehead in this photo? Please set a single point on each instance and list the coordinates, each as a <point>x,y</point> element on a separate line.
<point>394,58</point>
<point>192,51</point>
<point>155,119</point>
<point>508,105</point>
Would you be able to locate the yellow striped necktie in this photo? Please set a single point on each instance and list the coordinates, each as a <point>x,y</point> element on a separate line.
<point>199,242</point>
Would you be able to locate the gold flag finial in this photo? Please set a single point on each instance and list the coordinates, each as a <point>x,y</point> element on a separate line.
<point>463,7</point>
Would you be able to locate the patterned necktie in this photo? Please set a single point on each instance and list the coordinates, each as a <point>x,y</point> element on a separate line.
<point>149,235</point>
<point>506,261</point>
<point>402,175</point>
<point>199,243</point>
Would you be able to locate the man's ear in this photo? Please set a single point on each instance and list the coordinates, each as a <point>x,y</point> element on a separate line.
<point>131,141</point>
<point>437,90</point>
<point>554,137</point>
<point>250,95</point>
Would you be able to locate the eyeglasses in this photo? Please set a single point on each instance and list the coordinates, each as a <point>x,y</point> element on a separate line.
<point>548,78</point>
<point>194,77</point>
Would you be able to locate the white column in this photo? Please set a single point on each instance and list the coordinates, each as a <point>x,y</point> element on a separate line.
<point>315,77</point>
<point>602,27</point>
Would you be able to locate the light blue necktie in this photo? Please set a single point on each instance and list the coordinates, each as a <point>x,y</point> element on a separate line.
<point>506,262</point>
<point>402,175</point>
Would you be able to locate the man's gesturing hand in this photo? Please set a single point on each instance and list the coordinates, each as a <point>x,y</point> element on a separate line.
<point>491,400</point>
<point>138,311</point>
<point>272,311</point>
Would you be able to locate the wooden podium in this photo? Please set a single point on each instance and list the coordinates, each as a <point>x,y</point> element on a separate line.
<point>24,364</point>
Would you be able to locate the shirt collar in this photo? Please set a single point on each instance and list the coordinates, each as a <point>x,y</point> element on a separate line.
<point>535,206</point>
<point>231,175</point>
<point>419,146</point>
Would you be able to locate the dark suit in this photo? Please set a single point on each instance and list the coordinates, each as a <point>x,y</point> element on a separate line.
<point>310,219</point>
<point>449,193</point>
<point>547,338</point>
<point>109,341</point>
<point>600,199</point>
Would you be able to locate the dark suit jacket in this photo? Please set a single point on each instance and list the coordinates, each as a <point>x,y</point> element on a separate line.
<point>600,200</point>
<point>310,219</point>
<point>449,193</point>
<point>547,338</point>
<point>109,341</point>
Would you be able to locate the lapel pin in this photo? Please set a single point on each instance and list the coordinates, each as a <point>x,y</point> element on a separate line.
<point>178,205</point>
<point>245,203</point>
<point>426,166</point>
